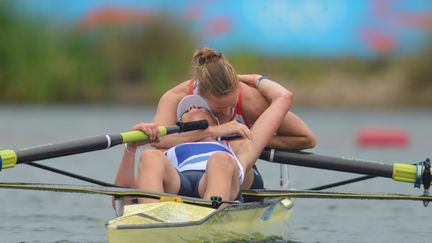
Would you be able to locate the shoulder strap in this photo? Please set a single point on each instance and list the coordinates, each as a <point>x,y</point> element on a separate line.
<point>238,110</point>
<point>193,86</point>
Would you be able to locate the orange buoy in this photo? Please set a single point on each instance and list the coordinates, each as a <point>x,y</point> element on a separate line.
<point>383,137</point>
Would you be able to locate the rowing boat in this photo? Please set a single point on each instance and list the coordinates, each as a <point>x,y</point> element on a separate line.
<point>182,219</point>
<point>174,218</point>
<point>179,222</point>
<point>185,219</point>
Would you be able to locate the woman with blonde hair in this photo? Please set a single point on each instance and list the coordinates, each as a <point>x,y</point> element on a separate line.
<point>211,167</point>
<point>230,97</point>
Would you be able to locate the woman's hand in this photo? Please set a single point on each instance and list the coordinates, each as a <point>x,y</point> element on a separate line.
<point>152,131</point>
<point>232,128</point>
<point>249,79</point>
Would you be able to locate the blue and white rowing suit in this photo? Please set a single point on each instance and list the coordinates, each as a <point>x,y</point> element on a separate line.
<point>258,182</point>
<point>194,156</point>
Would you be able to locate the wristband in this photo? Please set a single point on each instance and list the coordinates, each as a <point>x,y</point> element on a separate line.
<point>259,80</point>
<point>128,152</point>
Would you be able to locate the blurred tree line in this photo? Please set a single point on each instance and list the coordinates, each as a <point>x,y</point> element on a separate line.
<point>46,62</point>
<point>41,61</point>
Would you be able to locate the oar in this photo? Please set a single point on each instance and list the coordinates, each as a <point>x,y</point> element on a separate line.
<point>342,183</point>
<point>70,174</point>
<point>396,171</point>
<point>261,193</point>
<point>111,191</point>
<point>9,158</point>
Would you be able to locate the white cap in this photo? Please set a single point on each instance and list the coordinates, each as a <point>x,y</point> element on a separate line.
<point>191,100</point>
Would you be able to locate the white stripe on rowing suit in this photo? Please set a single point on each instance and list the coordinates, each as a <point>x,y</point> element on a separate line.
<point>272,152</point>
<point>108,141</point>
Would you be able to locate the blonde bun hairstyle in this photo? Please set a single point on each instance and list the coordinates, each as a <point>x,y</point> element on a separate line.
<point>215,74</point>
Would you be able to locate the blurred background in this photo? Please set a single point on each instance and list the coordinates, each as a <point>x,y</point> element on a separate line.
<point>370,53</point>
<point>75,68</point>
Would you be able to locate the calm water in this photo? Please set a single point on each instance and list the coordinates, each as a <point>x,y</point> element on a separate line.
<point>30,216</point>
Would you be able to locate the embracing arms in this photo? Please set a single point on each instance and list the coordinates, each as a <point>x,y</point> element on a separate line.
<point>166,115</point>
<point>292,134</point>
<point>266,125</point>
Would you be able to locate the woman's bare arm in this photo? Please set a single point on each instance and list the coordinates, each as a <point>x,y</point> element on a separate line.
<point>267,123</point>
<point>293,132</point>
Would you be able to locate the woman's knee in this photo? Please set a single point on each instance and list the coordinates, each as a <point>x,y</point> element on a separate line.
<point>152,157</point>
<point>151,153</point>
<point>223,160</point>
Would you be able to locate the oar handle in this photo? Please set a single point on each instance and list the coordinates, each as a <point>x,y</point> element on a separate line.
<point>137,136</point>
<point>8,158</point>
<point>194,125</point>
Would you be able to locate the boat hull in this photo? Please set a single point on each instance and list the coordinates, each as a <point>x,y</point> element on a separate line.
<point>180,222</point>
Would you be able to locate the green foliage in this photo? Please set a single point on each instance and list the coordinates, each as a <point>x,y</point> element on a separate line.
<point>42,61</point>
<point>418,74</point>
<point>419,70</point>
